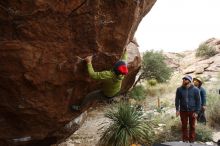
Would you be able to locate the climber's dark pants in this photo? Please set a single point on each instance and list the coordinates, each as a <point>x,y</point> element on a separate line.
<point>92,98</point>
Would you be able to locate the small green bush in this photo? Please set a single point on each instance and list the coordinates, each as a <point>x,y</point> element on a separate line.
<point>152,82</point>
<point>203,133</point>
<point>205,50</point>
<point>138,93</point>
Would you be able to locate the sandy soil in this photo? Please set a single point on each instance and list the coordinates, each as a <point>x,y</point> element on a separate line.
<point>89,133</point>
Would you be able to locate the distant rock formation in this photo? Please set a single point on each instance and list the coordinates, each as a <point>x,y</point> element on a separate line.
<point>187,63</point>
<point>214,42</point>
<point>42,44</point>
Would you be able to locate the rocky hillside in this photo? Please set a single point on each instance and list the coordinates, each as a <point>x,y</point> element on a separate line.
<point>42,72</point>
<point>187,62</point>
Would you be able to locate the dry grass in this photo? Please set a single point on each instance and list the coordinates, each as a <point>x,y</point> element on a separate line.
<point>213,103</point>
<point>213,112</point>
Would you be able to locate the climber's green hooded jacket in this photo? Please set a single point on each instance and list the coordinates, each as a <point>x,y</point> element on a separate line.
<point>111,82</point>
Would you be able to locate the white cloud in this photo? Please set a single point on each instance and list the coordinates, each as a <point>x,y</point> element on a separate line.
<point>177,25</point>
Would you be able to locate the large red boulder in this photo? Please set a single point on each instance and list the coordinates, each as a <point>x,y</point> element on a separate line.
<point>41,70</point>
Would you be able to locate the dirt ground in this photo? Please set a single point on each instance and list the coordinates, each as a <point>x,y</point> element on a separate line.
<point>89,133</point>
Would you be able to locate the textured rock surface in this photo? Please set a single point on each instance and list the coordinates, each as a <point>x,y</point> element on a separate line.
<point>41,71</point>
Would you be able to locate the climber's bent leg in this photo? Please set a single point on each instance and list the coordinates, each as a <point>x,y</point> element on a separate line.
<point>90,98</point>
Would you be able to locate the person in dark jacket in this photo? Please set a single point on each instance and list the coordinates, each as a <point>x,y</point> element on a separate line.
<point>201,116</point>
<point>187,104</point>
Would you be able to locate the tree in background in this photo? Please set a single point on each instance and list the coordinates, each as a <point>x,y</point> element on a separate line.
<point>154,67</point>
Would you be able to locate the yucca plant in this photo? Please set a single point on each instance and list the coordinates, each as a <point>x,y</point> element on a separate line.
<point>127,127</point>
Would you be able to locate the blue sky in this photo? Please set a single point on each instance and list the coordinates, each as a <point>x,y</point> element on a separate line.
<point>179,25</point>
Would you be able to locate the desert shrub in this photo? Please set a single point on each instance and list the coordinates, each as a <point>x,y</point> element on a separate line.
<point>152,82</point>
<point>213,112</point>
<point>151,91</point>
<point>165,103</point>
<point>138,92</point>
<point>159,89</point>
<point>203,133</point>
<point>205,50</point>
<point>171,131</point>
